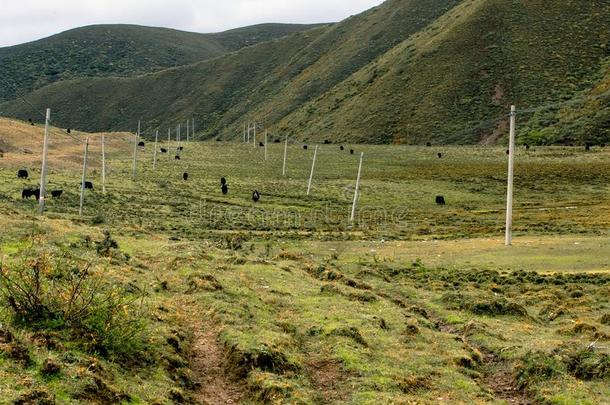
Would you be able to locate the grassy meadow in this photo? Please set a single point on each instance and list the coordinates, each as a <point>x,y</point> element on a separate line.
<point>167,291</point>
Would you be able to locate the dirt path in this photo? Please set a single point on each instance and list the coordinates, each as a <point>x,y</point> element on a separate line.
<point>215,384</point>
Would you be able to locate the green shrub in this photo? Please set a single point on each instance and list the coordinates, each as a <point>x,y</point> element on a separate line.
<point>50,293</point>
<point>537,366</point>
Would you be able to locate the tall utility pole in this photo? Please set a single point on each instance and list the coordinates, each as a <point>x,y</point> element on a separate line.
<point>285,156</point>
<point>313,165</point>
<point>103,164</point>
<point>187,130</point>
<point>169,141</point>
<point>254,126</point>
<point>244,132</point>
<point>353,215</point>
<point>248,132</point>
<point>193,129</point>
<point>155,153</point>
<point>265,145</point>
<point>43,171</point>
<point>135,153</point>
<point>511,175</point>
<point>82,185</point>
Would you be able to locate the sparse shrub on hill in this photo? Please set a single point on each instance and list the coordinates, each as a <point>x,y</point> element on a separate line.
<point>46,292</point>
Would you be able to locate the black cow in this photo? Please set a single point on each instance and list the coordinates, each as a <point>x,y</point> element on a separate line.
<point>527,147</point>
<point>587,147</point>
<point>22,174</point>
<point>177,157</point>
<point>305,147</point>
<point>225,189</point>
<point>440,155</point>
<point>277,141</point>
<point>327,142</point>
<point>261,144</point>
<point>180,148</point>
<point>508,151</point>
<point>57,193</point>
<point>428,144</point>
<point>440,200</point>
<point>351,151</point>
<point>30,121</point>
<point>341,148</point>
<point>256,196</point>
<point>223,181</point>
<point>141,144</point>
<point>185,176</point>
<point>603,145</point>
<point>28,192</point>
<point>69,130</point>
<point>163,150</point>
<point>88,185</point>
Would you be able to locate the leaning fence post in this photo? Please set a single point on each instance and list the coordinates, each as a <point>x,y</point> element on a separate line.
<point>82,185</point>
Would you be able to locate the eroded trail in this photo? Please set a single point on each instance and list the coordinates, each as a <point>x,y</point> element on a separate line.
<point>211,371</point>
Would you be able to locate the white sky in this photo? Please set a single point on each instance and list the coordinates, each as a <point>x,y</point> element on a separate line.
<point>27,20</point>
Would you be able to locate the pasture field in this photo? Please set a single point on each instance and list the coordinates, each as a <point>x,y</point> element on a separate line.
<point>185,295</point>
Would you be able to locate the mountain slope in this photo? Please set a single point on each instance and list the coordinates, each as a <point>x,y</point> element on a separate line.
<point>455,81</point>
<point>304,66</point>
<point>407,71</point>
<point>120,50</point>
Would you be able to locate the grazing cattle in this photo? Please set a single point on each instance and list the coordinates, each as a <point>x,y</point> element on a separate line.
<point>305,147</point>
<point>88,185</point>
<point>141,144</point>
<point>69,130</point>
<point>185,176</point>
<point>527,147</point>
<point>603,145</point>
<point>351,151</point>
<point>508,151</point>
<point>225,189</point>
<point>341,147</point>
<point>256,196</point>
<point>261,144</point>
<point>428,144</point>
<point>26,193</point>
<point>57,193</point>
<point>327,142</point>
<point>30,121</point>
<point>440,155</point>
<point>277,141</point>
<point>177,157</point>
<point>587,147</point>
<point>180,148</point>
<point>22,174</point>
<point>163,150</point>
<point>440,200</point>
<point>223,181</point>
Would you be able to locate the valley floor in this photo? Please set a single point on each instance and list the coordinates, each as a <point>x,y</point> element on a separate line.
<point>188,296</point>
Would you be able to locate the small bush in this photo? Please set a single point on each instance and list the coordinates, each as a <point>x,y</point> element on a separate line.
<point>536,366</point>
<point>45,293</point>
<point>588,364</point>
<point>106,246</point>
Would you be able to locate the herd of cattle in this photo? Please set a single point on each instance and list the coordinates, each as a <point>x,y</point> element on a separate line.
<point>29,192</point>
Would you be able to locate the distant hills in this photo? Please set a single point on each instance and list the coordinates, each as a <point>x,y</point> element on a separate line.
<point>408,71</point>
<point>120,50</point>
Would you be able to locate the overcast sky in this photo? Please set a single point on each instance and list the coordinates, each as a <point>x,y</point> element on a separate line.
<point>27,20</point>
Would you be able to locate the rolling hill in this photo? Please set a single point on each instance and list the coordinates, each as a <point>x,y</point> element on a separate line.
<point>444,71</point>
<point>120,50</point>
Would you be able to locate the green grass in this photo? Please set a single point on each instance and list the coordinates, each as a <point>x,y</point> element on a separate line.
<point>311,309</point>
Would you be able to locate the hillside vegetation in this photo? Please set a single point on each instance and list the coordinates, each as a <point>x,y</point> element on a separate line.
<point>168,291</point>
<point>405,72</point>
<point>119,50</point>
